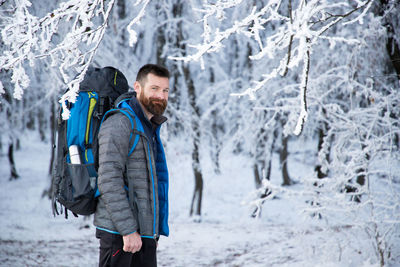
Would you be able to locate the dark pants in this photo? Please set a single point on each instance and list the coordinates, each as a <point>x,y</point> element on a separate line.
<point>112,254</point>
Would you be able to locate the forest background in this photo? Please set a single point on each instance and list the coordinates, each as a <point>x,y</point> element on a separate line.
<point>304,93</point>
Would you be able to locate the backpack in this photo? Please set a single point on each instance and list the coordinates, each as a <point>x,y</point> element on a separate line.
<point>74,177</point>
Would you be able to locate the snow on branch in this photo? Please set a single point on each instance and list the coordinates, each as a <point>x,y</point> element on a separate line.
<point>69,35</point>
<point>209,46</point>
<point>136,20</point>
<point>290,41</point>
<point>303,113</point>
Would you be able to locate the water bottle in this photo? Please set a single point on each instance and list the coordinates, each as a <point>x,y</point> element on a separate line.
<point>74,154</point>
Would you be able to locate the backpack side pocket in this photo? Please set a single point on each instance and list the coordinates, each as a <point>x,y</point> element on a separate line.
<point>76,192</point>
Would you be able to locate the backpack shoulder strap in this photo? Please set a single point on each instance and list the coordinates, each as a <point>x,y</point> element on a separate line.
<point>136,125</point>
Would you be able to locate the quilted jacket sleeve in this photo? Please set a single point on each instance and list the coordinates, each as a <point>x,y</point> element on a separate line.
<point>113,153</point>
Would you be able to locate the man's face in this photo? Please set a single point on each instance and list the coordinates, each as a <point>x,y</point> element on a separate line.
<point>153,93</point>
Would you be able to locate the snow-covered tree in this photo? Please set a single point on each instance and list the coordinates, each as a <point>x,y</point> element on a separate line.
<point>322,69</point>
<point>68,35</point>
<point>350,100</point>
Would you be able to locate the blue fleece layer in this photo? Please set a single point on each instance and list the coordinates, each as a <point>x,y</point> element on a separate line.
<point>161,169</point>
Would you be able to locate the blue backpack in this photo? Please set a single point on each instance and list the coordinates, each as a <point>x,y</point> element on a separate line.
<point>74,177</point>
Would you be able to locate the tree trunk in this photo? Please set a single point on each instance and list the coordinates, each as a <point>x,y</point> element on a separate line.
<point>259,157</point>
<point>216,158</point>
<point>257,174</point>
<point>160,37</point>
<point>164,37</point>
<point>392,46</point>
<point>195,207</point>
<point>361,177</point>
<point>283,160</point>
<point>321,136</point>
<point>262,170</point>
<point>30,120</point>
<point>393,50</point>
<point>42,124</point>
<point>13,175</point>
<point>121,9</point>
<point>262,167</point>
<point>198,176</point>
<point>53,118</point>
<point>216,129</point>
<point>17,144</point>
<point>269,160</point>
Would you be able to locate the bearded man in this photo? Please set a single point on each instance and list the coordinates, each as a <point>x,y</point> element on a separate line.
<point>132,211</point>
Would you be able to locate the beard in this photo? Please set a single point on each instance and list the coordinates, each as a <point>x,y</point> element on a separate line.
<point>155,106</point>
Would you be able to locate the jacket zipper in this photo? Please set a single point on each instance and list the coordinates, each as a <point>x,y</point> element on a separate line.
<point>153,187</point>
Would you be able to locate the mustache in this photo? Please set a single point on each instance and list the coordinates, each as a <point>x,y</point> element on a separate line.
<point>158,101</point>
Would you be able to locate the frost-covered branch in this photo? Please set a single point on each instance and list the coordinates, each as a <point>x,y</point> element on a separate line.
<point>209,45</point>
<point>289,53</point>
<point>68,35</point>
<point>303,113</point>
<point>26,38</point>
<point>291,41</point>
<point>136,20</point>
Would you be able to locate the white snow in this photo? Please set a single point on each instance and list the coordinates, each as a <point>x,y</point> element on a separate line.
<point>226,235</point>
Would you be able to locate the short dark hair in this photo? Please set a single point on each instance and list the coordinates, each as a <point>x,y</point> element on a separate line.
<point>157,70</point>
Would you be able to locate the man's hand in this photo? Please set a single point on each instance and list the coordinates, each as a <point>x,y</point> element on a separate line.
<point>132,242</point>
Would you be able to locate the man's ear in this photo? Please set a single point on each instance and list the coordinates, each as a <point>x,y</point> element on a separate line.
<point>137,87</point>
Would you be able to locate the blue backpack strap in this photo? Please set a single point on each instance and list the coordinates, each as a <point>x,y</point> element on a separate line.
<point>138,129</point>
<point>136,125</point>
<point>124,106</point>
<point>128,112</point>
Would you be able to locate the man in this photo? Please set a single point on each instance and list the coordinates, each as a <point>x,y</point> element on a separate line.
<point>132,210</point>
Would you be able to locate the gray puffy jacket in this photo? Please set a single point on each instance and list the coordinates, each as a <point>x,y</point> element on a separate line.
<point>116,212</point>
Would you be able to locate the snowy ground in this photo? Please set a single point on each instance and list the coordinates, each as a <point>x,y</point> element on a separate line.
<point>226,236</point>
